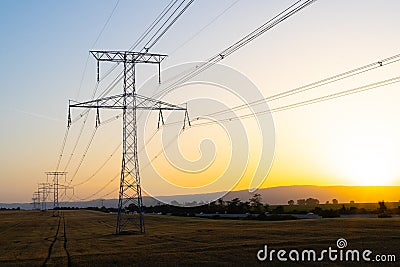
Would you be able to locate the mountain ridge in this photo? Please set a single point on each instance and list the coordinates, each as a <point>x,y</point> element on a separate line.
<point>278,195</point>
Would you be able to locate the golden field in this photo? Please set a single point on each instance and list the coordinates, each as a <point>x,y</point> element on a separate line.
<point>86,238</point>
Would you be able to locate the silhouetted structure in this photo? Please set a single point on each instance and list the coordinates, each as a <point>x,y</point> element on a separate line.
<point>130,192</point>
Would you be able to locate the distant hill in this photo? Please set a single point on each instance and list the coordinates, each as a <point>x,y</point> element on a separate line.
<point>281,194</point>
<point>344,194</point>
<point>274,196</point>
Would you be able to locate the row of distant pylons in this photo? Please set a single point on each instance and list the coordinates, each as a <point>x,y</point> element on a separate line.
<point>48,192</point>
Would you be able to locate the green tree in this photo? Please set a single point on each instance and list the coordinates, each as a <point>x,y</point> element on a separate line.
<point>312,201</point>
<point>301,201</point>
<point>382,206</point>
<point>234,205</point>
<point>256,205</point>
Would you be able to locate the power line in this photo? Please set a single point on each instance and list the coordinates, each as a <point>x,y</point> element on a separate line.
<point>148,140</point>
<point>282,16</point>
<point>341,94</point>
<point>278,109</point>
<point>286,107</point>
<point>83,155</point>
<point>347,74</point>
<point>106,23</point>
<point>162,15</point>
<point>94,43</point>
<point>119,77</point>
<point>305,103</point>
<point>248,38</point>
<point>100,168</point>
<point>90,142</point>
<point>332,79</point>
<point>101,189</point>
<point>143,35</point>
<point>148,46</point>
<point>220,56</point>
<point>62,148</point>
<point>153,24</point>
<point>106,195</point>
<point>85,114</point>
<point>160,152</point>
<point>112,154</point>
<point>77,141</point>
<point>291,10</point>
<point>204,27</point>
<point>81,82</point>
<point>106,161</point>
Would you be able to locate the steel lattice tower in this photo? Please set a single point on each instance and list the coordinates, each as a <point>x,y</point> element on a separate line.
<point>55,187</point>
<point>130,204</point>
<point>36,200</point>
<point>44,189</point>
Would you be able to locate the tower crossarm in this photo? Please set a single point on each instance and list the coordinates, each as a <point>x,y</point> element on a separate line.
<point>109,102</point>
<point>117,102</point>
<point>128,56</point>
<point>146,103</point>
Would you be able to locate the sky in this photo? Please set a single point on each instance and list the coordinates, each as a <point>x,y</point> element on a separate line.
<point>351,140</point>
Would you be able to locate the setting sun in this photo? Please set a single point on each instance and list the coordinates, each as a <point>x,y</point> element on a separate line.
<point>368,161</point>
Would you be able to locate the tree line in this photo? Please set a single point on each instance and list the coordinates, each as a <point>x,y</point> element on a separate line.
<point>255,206</point>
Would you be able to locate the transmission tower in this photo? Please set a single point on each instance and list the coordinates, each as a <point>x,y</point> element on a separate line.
<point>36,200</point>
<point>55,188</point>
<point>130,204</point>
<point>44,190</point>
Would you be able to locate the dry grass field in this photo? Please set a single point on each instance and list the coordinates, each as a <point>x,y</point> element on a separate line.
<point>85,238</point>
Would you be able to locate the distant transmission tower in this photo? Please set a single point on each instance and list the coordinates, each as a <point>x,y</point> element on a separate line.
<point>36,200</point>
<point>130,204</point>
<point>55,188</point>
<point>44,190</point>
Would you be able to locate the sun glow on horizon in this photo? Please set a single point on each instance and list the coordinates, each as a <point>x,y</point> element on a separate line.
<point>369,162</point>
